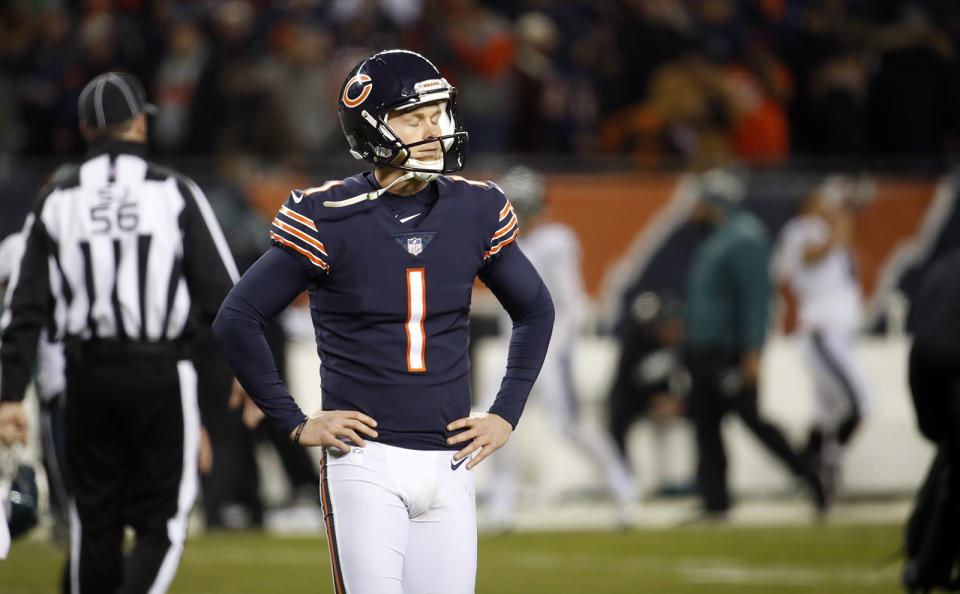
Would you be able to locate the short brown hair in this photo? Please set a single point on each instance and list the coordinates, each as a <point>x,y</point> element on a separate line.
<point>112,131</point>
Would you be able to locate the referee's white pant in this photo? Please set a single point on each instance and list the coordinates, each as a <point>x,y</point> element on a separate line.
<point>399,521</point>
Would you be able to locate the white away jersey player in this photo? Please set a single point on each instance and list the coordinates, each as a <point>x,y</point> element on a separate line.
<point>830,315</point>
<point>554,251</point>
<point>827,290</point>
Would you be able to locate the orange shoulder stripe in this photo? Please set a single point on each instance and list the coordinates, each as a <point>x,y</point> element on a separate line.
<point>501,244</point>
<point>309,256</point>
<point>298,217</point>
<point>294,231</point>
<point>505,229</point>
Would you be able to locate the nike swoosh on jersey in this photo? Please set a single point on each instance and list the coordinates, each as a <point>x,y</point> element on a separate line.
<point>405,219</point>
<point>455,465</point>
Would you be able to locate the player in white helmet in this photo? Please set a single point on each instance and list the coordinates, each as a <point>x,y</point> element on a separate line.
<point>814,258</point>
<point>554,250</point>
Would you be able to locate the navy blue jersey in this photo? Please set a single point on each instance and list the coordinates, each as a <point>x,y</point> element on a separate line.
<point>390,301</point>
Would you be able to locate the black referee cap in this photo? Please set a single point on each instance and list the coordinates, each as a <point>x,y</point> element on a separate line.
<point>111,98</point>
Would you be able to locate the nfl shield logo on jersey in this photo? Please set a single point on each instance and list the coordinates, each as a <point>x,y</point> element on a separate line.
<point>414,245</point>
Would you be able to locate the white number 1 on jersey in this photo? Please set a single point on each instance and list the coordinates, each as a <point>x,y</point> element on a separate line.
<point>416,309</point>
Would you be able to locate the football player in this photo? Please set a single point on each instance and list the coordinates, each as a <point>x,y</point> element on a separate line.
<point>814,258</point>
<point>389,259</point>
<point>554,250</point>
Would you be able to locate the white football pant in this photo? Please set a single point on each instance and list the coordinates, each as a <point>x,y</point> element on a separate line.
<point>399,521</point>
<point>839,382</point>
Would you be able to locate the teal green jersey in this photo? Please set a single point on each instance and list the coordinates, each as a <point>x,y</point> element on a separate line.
<point>728,288</point>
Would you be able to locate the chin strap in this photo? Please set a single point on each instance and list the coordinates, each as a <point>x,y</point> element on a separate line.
<point>425,176</point>
<point>372,195</point>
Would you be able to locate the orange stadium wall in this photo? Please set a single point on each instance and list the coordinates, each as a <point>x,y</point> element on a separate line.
<point>606,212</point>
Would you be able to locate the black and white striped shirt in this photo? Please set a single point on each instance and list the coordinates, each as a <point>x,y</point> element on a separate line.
<point>117,249</point>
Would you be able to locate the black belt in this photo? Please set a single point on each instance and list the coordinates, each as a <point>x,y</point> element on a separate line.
<point>124,350</point>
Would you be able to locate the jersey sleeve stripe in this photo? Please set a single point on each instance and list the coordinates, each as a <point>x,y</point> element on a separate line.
<point>507,209</point>
<point>299,234</point>
<point>505,229</point>
<point>315,260</point>
<point>311,244</point>
<point>322,188</point>
<point>494,250</point>
<point>298,217</point>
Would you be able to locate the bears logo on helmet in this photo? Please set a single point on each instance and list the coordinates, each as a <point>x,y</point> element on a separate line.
<point>396,80</point>
<point>364,81</point>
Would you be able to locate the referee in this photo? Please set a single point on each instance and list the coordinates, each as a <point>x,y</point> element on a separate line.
<point>122,259</point>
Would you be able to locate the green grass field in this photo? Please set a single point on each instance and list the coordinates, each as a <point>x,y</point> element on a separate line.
<point>822,559</point>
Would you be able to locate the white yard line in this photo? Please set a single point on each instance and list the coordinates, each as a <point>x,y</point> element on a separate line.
<point>700,570</point>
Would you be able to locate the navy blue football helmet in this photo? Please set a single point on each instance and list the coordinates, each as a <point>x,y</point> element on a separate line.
<point>397,80</point>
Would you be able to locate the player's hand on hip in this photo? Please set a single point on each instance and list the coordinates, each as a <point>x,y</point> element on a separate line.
<point>13,423</point>
<point>486,432</point>
<point>330,427</point>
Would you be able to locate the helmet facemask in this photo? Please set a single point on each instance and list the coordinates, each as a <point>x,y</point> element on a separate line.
<point>448,136</point>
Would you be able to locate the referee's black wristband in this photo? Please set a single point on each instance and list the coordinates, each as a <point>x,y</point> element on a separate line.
<point>299,430</point>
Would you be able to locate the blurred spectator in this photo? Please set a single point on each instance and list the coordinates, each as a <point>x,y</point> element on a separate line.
<point>10,130</point>
<point>687,118</point>
<point>555,107</point>
<point>761,87</point>
<point>182,90</point>
<point>44,113</point>
<point>720,27</point>
<point>725,322</point>
<point>362,27</point>
<point>650,32</point>
<point>913,101</point>
<point>483,47</point>
<point>252,120</point>
<point>824,51</point>
<point>534,71</point>
<point>401,13</point>
<point>837,102</point>
<point>299,74</point>
<point>107,43</point>
<point>694,109</point>
<point>538,75</point>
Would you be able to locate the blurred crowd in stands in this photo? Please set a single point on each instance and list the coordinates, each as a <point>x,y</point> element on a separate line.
<point>685,83</point>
